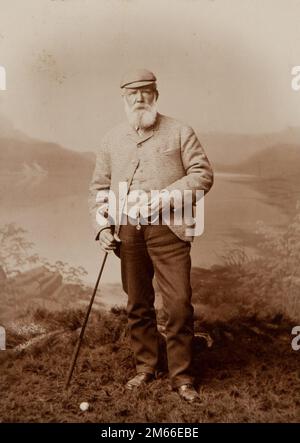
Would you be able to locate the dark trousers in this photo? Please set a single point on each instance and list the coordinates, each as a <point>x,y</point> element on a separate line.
<point>157,250</point>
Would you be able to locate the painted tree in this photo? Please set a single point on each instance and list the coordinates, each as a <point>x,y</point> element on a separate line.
<point>15,249</point>
<point>17,255</point>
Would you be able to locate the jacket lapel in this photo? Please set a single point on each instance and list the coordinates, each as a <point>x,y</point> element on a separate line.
<point>140,139</point>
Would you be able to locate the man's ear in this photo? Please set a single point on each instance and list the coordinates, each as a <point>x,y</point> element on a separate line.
<point>157,94</point>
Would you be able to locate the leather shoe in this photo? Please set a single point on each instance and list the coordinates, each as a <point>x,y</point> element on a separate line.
<point>188,392</point>
<point>141,378</point>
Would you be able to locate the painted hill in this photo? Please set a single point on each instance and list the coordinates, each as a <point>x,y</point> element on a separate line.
<point>226,149</point>
<point>51,157</point>
<point>272,162</point>
<point>33,171</point>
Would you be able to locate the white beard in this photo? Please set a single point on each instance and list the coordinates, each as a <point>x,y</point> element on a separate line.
<point>141,118</point>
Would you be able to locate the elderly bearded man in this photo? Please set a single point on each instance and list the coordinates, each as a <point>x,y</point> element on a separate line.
<point>151,151</point>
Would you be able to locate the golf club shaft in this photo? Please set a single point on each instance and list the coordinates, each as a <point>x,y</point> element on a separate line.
<point>77,348</point>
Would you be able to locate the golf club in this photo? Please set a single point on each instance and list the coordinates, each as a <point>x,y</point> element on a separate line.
<point>77,348</point>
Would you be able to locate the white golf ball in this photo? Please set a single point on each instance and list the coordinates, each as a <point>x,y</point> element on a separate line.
<point>84,406</point>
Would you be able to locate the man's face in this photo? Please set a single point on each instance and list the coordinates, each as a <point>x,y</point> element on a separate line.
<point>139,98</point>
<point>140,106</point>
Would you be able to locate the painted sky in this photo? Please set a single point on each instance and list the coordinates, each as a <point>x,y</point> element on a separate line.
<point>222,65</point>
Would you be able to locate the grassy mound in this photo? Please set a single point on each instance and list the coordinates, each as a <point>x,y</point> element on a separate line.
<point>249,374</point>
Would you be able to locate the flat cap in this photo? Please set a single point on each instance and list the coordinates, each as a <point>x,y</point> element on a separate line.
<point>138,78</point>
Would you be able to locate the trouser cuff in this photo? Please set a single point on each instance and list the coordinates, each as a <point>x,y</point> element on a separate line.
<point>177,382</point>
<point>145,368</point>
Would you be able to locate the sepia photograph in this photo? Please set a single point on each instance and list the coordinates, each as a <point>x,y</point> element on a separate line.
<point>149,214</point>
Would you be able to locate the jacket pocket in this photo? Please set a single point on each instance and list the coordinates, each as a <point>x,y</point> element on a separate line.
<point>167,152</point>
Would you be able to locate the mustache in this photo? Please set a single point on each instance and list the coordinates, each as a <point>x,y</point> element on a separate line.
<point>141,106</point>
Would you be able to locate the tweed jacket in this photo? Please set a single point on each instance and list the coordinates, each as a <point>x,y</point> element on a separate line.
<point>174,158</point>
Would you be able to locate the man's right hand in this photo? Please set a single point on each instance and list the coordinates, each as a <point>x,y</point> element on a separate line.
<point>108,241</point>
